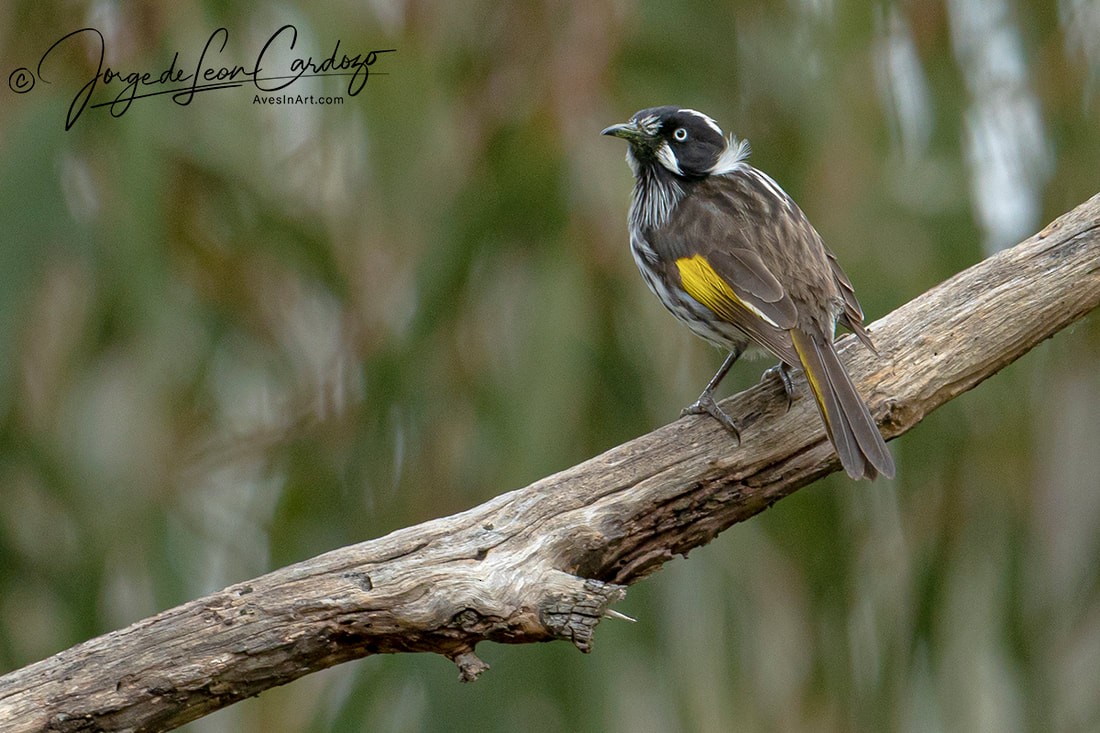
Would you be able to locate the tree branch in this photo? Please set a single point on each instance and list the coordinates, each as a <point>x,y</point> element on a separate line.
<point>545,562</point>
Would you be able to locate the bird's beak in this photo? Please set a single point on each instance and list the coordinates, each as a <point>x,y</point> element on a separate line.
<point>627,131</point>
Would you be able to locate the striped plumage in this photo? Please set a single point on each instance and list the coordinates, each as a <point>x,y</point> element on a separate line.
<point>731,255</point>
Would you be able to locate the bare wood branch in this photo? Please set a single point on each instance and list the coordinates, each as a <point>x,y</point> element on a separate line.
<point>545,562</point>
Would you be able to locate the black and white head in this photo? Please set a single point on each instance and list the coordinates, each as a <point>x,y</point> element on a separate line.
<point>684,142</point>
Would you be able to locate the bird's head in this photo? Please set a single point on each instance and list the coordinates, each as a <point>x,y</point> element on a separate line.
<point>684,142</point>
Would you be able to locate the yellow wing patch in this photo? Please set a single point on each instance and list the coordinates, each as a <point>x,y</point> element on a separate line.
<point>709,288</point>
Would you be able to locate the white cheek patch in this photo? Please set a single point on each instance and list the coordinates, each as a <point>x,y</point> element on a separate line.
<point>667,158</point>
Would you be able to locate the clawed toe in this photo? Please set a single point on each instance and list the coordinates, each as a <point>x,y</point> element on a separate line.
<point>783,372</point>
<point>706,405</point>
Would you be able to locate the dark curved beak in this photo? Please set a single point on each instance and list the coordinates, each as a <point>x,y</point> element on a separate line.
<point>626,130</point>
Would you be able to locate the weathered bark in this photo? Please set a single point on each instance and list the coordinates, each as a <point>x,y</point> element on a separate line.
<point>545,562</point>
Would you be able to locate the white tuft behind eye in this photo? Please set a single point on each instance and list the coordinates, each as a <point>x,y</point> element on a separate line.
<point>680,135</point>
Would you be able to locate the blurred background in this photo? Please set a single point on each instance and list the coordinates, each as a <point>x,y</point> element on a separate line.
<point>233,336</point>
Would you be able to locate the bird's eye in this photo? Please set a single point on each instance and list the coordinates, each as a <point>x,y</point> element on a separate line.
<point>681,134</point>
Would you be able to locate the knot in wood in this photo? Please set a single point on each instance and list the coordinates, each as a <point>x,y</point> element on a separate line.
<point>573,616</point>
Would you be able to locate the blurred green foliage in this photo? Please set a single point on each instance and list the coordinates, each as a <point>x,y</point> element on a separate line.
<point>234,335</point>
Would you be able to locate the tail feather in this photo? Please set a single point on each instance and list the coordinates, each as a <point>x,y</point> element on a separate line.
<point>848,423</point>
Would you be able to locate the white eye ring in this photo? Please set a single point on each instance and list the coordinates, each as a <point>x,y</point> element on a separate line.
<point>681,134</point>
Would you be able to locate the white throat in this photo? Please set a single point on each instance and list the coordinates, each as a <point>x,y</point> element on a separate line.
<point>655,195</point>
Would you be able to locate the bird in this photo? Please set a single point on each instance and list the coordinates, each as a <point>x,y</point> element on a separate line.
<point>733,257</point>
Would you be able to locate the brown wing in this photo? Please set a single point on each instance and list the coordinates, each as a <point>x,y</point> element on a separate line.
<point>755,241</point>
<point>709,281</point>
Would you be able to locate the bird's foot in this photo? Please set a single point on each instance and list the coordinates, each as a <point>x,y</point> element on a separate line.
<point>706,405</point>
<point>783,373</point>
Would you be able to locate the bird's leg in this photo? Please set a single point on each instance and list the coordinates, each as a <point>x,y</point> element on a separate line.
<point>783,371</point>
<point>706,405</point>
